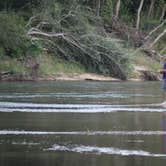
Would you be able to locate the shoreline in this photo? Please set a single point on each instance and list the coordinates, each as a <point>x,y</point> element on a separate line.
<point>71,77</point>
<point>61,77</point>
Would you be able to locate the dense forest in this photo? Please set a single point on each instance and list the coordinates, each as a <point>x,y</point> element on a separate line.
<point>102,36</point>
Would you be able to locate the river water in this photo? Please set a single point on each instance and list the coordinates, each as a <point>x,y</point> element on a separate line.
<point>84,123</point>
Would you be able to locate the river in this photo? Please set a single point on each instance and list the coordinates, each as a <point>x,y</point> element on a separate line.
<point>81,123</point>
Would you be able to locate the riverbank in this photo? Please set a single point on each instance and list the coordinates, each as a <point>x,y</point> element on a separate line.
<point>47,67</point>
<point>61,76</point>
<point>79,77</point>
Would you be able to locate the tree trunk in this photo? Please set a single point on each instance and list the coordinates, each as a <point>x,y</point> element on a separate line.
<point>36,32</point>
<point>139,13</point>
<point>98,5</point>
<point>151,8</point>
<point>117,9</point>
<point>163,12</point>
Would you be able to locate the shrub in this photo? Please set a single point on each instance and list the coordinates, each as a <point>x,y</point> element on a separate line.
<point>13,39</point>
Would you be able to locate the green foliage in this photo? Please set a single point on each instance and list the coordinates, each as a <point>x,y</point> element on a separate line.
<point>147,25</point>
<point>12,34</point>
<point>16,5</point>
<point>12,65</point>
<point>128,11</point>
<point>13,40</point>
<point>140,59</point>
<point>2,52</point>
<point>161,3</point>
<point>107,11</point>
<point>52,66</point>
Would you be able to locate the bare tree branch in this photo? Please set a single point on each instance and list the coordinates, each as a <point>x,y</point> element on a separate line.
<point>42,23</point>
<point>163,50</point>
<point>37,32</point>
<point>31,20</point>
<point>158,38</point>
<point>155,29</point>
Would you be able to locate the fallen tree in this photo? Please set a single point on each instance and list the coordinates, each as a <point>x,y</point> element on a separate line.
<point>79,36</point>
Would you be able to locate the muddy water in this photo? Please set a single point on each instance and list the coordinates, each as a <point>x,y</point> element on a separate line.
<point>82,124</point>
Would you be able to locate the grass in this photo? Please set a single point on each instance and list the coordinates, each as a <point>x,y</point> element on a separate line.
<point>49,66</point>
<point>140,59</point>
<point>149,63</point>
<point>54,66</point>
<point>12,65</point>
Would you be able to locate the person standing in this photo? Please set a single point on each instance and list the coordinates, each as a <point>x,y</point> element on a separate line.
<point>163,72</point>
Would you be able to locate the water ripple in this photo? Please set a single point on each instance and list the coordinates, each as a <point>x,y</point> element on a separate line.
<point>74,95</point>
<point>90,133</point>
<point>77,108</point>
<point>103,150</point>
<point>25,143</point>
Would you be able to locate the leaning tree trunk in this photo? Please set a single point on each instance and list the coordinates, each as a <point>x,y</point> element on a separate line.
<point>117,9</point>
<point>158,38</point>
<point>162,50</point>
<point>151,8</point>
<point>139,14</point>
<point>155,29</point>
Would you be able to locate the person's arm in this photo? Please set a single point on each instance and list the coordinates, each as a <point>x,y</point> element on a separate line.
<point>163,71</point>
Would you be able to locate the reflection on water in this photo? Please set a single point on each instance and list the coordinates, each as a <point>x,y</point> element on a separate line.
<point>81,92</point>
<point>82,123</point>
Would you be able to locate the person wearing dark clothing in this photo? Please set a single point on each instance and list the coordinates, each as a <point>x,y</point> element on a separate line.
<point>163,72</point>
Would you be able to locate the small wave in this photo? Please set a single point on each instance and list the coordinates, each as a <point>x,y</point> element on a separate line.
<point>36,105</point>
<point>73,95</point>
<point>77,108</point>
<point>92,133</point>
<point>25,143</point>
<point>91,110</point>
<point>135,141</point>
<point>103,150</point>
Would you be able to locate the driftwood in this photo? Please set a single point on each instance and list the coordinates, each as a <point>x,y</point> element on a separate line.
<point>5,74</point>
